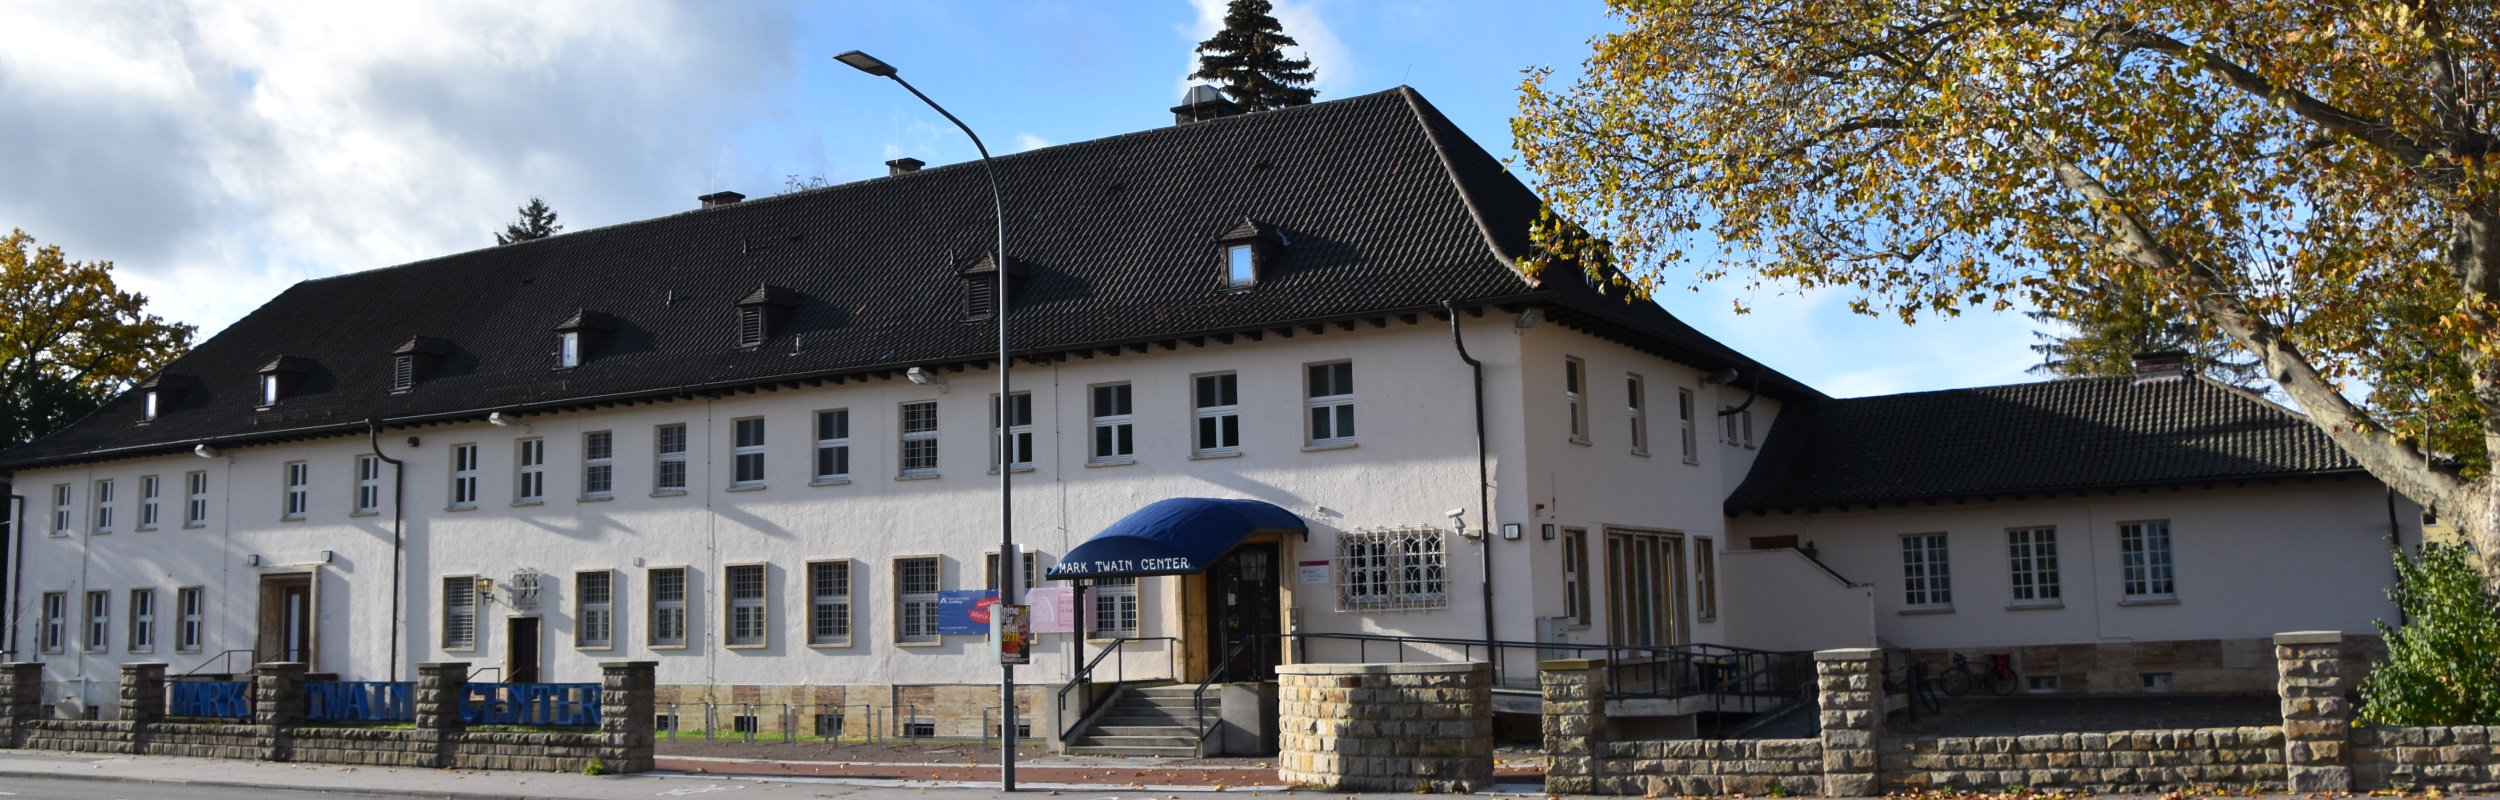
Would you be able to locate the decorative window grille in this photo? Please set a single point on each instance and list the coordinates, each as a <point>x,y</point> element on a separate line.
<point>99,620</point>
<point>670,474</point>
<point>460,612</point>
<point>1331,401</point>
<point>594,610</point>
<point>1218,404</point>
<point>368,484</point>
<point>1573,407</point>
<point>1115,429</point>
<point>103,506</point>
<point>747,618</point>
<point>195,503</point>
<point>916,599</point>
<point>2144,560</point>
<point>920,455</point>
<point>142,620</point>
<point>668,607</point>
<point>524,587</point>
<point>190,608</point>
<point>464,476</point>
<point>833,445</point>
<point>1390,569</point>
<point>55,621</point>
<point>1636,398</point>
<point>598,464</point>
<point>1115,607</point>
<point>1926,571</point>
<point>60,510</point>
<point>829,602</point>
<point>298,489</point>
<point>530,471</point>
<point>1019,430</point>
<point>151,491</point>
<point>2033,552</point>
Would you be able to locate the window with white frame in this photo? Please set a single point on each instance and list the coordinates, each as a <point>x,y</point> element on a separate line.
<point>1575,557</point>
<point>368,484</point>
<point>599,464</point>
<point>55,622</point>
<point>1926,571</point>
<point>1240,267</point>
<point>298,489</point>
<point>1574,405</point>
<point>270,389</point>
<point>833,445</point>
<point>529,471</point>
<point>149,406</point>
<point>1032,573</point>
<point>668,607</point>
<point>99,620</point>
<point>60,510</point>
<point>2033,553</point>
<point>1739,425</point>
<point>460,612</point>
<point>1636,401</point>
<point>916,599</point>
<point>1218,411</point>
<point>748,617</point>
<point>190,623</point>
<point>1115,428</point>
<point>829,602</point>
<point>142,620</point>
<point>1115,607</point>
<point>103,507</point>
<point>195,499</point>
<point>746,452</point>
<point>1390,569</point>
<point>1705,579</point>
<point>403,372</point>
<point>151,492</point>
<point>594,609</point>
<point>464,476</point>
<point>1684,420</point>
<point>2144,560</point>
<point>569,349</point>
<point>1019,430</point>
<point>1331,401</point>
<point>669,446</point>
<point>919,431</point>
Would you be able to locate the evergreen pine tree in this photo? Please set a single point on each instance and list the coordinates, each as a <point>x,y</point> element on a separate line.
<point>2101,338</point>
<point>537,222</point>
<point>1247,60</point>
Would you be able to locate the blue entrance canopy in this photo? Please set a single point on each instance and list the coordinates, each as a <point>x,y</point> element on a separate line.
<point>1180,536</point>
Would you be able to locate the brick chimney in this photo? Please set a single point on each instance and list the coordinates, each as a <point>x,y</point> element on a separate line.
<point>903,165</point>
<point>2161,366</point>
<point>718,199</point>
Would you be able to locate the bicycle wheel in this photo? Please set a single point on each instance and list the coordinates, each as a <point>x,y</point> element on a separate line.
<point>1957,681</point>
<point>1927,699</point>
<point>2005,685</point>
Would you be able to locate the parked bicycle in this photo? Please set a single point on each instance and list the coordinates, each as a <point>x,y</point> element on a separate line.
<point>1915,681</point>
<point>1997,676</point>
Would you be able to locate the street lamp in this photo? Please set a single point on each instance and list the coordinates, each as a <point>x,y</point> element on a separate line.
<point>1010,568</point>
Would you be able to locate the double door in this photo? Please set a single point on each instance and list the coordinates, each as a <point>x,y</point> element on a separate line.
<point>1244,596</point>
<point>1645,588</point>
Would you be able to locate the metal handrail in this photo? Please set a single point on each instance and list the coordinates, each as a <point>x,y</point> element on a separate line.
<point>1198,699</point>
<point>1085,676</point>
<point>221,659</point>
<point>1663,670</point>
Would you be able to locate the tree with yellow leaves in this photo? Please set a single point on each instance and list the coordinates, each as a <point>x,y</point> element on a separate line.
<point>70,339</point>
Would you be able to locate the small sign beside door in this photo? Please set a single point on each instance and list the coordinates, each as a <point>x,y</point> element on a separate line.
<point>1314,571</point>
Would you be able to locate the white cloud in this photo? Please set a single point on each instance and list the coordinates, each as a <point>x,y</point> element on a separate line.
<point>1331,62</point>
<point>1027,141</point>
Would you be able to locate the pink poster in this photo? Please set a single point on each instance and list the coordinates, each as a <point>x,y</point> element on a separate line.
<point>1054,609</point>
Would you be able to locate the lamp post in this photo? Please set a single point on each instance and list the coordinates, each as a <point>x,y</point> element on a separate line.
<point>1010,567</point>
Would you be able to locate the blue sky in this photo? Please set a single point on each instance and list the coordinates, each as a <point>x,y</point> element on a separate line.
<point>218,152</point>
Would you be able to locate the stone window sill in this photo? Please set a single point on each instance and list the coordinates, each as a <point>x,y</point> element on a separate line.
<point>1217,454</point>
<point>186,525</point>
<point>830,482</point>
<point>594,648</point>
<point>749,487</point>
<point>1018,470</point>
<point>1115,462</point>
<point>929,477</point>
<point>2149,601</point>
<point>669,493</point>
<point>668,647</point>
<point>930,643</point>
<point>1641,453</point>
<point>525,503</point>
<point>756,646</point>
<point>1337,446</point>
<point>352,514</point>
<point>595,498</point>
<point>460,508</point>
<point>1908,612</point>
<point>2053,604</point>
<point>828,645</point>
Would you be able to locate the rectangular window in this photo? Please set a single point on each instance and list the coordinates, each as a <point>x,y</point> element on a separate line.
<point>142,620</point>
<point>670,473</point>
<point>916,599</point>
<point>920,455</point>
<point>55,622</point>
<point>1239,267</point>
<point>829,602</point>
<point>1331,393</point>
<point>833,445</point>
<point>60,510</point>
<point>1576,575</point>
<point>1115,430</point>
<point>747,452</point>
<point>1739,426</point>
<point>190,626</point>
<point>1636,396</point>
<point>195,501</point>
<point>1926,571</point>
<point>269,390</point>
<point>1115,607</point>
<point>2034,555</point>
<point>298,489</point>
<point>569,349</point>
<point>1572,405</point>
<point>2144,559</point>
<point>103,506</point>
<point>594,609</point>
<point>1392,568</point>
<point>668,607</point>
<point>403,372</point>
<point>748,619</point>
<point>750,326</point>
<point>151,491</point>
<point>464,476</point>
<point>1218,402</point>
<point>460,612</point>
<point>99,620</point>
<point>1019,430</point>
<point>368,484</point>
<point>529,478</point>
<point>598,464</point>
<point>1032,571</point>
<point>1705,579</point>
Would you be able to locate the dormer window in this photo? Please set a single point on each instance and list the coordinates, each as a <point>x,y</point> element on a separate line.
<point>1247,251</point>
<point>271,389</point>
<point>750,327</point>
<point>763,313</point>
<point>161,392</point>
<point>578,335</point>
<point>980,285</point>
<point>148,411</point>
<point>281,378</point>
<point>415,360</point>
<point>569,349</point>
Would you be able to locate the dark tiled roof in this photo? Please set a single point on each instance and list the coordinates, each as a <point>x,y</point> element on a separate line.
<point>2064,434</point>
<point>1387,208</point>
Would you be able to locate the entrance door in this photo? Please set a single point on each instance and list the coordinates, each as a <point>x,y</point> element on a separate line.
<point>521,645</point>
<point>286,620</point>
<point>1243,591</point>
<point>1643,590</point>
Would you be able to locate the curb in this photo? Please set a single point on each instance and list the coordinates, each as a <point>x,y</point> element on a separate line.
<point>58,776</point>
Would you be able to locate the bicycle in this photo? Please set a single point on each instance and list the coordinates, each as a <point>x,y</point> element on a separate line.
<point>1917,684</point>
<point>1997,677</point>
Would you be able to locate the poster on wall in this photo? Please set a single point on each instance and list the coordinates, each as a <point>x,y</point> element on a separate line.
<point>1053,609</point>
<point>965,611</point>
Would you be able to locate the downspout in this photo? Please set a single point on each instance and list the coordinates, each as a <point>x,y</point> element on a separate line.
<point>17,568</point>
<point>1484,484</point>
<point>399,503</point>
<point>2395,542</point>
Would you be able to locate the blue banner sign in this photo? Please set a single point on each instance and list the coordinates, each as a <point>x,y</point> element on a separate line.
<point>360,701</point>
<point>215,699</point>
<point>965,611</point>
<point>556,705</point>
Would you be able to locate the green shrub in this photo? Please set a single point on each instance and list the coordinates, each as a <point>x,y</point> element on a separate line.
<point>2443,666</point>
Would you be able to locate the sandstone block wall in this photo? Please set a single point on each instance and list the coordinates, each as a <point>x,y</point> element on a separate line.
<point>2459,759</point>
<point>1386,727</point>
<point>951,711</point>
<point>1750,767</point>
<point>2133,762</point>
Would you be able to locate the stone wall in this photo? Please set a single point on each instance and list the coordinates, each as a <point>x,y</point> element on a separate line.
<point>967,711</point>
<point>1386,727</point>
<point>1749,767</point>
<point>2132,762</point>
<point>2459,759</point>
<point>533,752</point>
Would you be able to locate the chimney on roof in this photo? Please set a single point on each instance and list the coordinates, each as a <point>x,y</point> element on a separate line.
<point>1203,103</point>
<point>2160,366</point>
<point>903,165</point>
<point>718,199</point>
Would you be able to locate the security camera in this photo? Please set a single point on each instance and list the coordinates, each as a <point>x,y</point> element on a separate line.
<point>1455,513</point>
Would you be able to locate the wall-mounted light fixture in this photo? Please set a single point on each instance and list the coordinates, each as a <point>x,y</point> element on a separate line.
<point>1510,531</point>
<point>1549,531</point>
<point>922,376</point>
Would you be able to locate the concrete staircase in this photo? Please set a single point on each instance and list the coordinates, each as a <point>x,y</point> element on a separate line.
<point>1145,721</point>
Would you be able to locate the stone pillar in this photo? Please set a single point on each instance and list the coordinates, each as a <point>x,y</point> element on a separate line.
<point>626,710</point>
<point>1574,722</point>
<point>1386,727</point>
<point>439,689</point>
<point>143,693</point>
<point>1850,688</point>
<point>21,699</point>
<point>2317,717</point>
<point>278,695</point>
